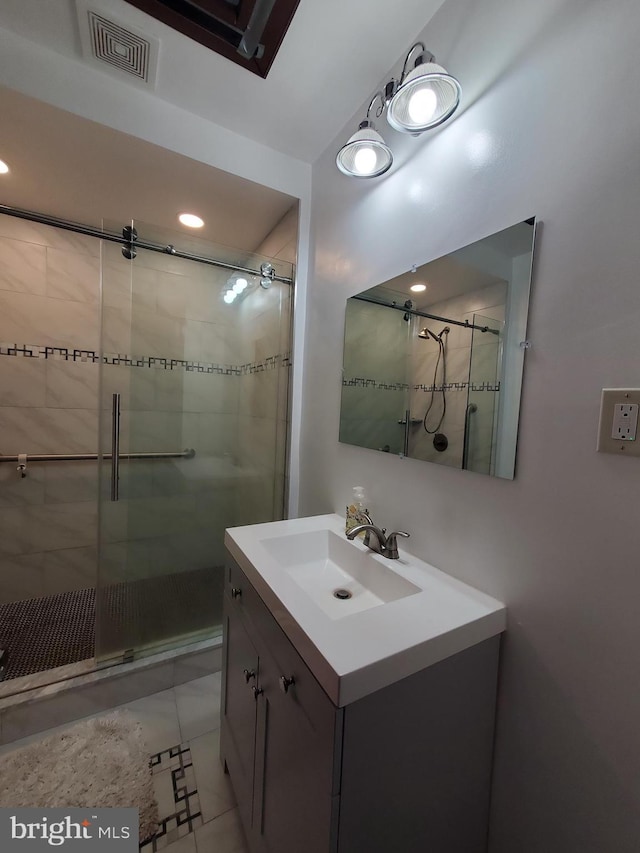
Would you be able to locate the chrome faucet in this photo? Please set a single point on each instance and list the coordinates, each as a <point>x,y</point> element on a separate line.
<point>381,544</point>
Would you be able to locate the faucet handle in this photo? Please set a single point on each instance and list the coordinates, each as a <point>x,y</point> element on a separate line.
<point>392,543</point>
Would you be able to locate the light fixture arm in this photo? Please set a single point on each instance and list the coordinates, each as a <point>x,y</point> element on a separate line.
<point>383,104</point>
<point>424,97</point>
<point>424,56</point>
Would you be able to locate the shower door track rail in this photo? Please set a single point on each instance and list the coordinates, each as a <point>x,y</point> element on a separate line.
<point>189,453</point>
<point>126,241</point>
<point>465,324</point>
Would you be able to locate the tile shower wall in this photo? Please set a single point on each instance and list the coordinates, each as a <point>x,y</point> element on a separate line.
<point>203,375</point>
<point>264,325</point>
<point>188,376</point>
<point>490,302</point>
<point>375,381</point>
<point>49,299</point>
<point>166,315</point>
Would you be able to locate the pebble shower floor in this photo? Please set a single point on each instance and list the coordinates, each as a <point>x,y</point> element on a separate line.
<point>38,634</point>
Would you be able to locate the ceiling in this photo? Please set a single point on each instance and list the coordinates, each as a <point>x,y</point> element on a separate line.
<point>466,270</point>
<point>72,168</point>
<point>445,278</point>
<point>332,59</point>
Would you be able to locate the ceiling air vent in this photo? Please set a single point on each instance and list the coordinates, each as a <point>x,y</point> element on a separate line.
<point>115,47</point>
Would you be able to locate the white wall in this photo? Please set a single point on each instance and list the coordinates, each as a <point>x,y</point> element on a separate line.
<point>549,127</point>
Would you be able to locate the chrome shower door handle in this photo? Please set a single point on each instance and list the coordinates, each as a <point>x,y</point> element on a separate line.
<point>115,447</point>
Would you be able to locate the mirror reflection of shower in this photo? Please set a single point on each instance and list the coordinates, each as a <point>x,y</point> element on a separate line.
<point>392,388</point>
<point>429,425</point>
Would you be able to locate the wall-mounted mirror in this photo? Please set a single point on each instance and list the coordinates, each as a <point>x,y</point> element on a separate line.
<point>433,358</point>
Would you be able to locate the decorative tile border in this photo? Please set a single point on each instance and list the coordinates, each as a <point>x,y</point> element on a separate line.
<point>460,386</point>
<point>155,362</point>
<point>357,382</point>
<point>186,815</point>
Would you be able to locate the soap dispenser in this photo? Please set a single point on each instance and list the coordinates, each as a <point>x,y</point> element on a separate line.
<point>357,512</point>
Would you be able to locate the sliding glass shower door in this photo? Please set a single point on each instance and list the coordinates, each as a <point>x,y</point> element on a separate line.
<point>193,430</point>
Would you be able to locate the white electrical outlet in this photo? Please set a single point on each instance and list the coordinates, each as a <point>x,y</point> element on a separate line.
<point>625,421</point>
<point>617,433</point>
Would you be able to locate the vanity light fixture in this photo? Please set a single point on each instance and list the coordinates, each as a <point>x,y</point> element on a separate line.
<point>423,98</point>
<point>366,154</point>
<point>3,168</point>
<point>191,220</point>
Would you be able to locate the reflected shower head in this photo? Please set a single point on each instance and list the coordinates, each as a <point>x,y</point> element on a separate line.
<point>426,333</point>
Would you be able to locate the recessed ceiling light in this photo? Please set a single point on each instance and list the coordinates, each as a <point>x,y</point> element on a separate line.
<point>3,168</point>
<point>418,288</point>
<point>191,220</point>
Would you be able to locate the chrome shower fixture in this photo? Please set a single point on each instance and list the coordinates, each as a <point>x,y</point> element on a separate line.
<point>426,333</point>
<point>423,98</point>
<point>268,273</point>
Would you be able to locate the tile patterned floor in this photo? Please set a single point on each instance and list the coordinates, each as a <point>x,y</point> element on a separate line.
<point>195,800</point>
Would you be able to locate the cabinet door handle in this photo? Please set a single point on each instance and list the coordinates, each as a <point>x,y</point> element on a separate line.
<point>286,683</point>
<point>249,674</point>
<point>236,592</point>
<point>256,692</point>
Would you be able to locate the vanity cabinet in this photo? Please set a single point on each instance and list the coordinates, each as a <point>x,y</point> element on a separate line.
<point>405,768</point>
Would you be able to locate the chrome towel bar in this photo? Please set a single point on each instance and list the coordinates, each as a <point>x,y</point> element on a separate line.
<point>80,457</point>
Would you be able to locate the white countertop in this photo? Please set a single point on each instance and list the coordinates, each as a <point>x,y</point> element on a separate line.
<point>353,656</point>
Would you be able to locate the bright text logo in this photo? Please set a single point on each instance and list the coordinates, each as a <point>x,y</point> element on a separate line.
<point>72,830</point>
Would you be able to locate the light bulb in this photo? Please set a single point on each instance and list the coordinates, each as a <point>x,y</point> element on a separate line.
<point>3,168</point>
<point>422,105</point>
<point>240,285</point>
<point>191,220</point>
<point>365,160</point>
<point>229,297</point>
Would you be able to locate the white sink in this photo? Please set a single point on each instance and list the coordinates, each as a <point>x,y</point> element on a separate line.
<point>403,615</point>
<point>340,578</point>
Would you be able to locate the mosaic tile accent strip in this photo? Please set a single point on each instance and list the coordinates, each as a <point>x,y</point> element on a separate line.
<point>460,386</point>
<point>185,814</point>
<point>271,362</point>
<point>357,382</point>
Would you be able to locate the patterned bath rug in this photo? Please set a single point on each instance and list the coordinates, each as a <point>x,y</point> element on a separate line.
<point>98,763</point>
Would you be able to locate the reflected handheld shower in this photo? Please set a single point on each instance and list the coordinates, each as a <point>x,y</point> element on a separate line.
<point>425,334</point>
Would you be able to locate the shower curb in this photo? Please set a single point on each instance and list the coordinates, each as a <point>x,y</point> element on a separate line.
<point>40,708</point>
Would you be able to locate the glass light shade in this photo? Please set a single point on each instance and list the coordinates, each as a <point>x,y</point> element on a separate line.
<point>365,155</point>
<point>427,97</point>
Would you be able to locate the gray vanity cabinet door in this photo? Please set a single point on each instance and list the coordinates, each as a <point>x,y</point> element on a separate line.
<point>237,745</point>
<point>294,759</point>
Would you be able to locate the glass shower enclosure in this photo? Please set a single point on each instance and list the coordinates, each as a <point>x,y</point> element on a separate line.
<point>193,431</point>
<point>143,409</point>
